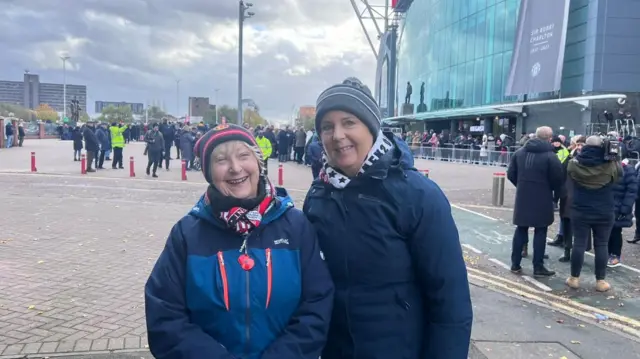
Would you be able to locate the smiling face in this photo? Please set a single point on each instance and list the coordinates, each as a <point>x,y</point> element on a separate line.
<point>235,170</point>
<point>346,141</point>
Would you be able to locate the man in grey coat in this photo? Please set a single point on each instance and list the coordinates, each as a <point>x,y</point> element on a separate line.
<point>301,141</point>
<point>537,173</point>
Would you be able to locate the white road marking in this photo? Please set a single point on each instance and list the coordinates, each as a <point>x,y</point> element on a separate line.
<point>472,248</point>
<point>500,263</point>
<point>473,212</point>
<point>538,284</point>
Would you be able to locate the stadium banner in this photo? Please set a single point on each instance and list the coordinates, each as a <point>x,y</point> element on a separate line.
<point>538,54</point>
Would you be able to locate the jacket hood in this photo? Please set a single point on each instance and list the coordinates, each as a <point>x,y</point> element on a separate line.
<point>282,205</point>
<point>590,169</point>
<point>537,145</point>
<point>591,156</point>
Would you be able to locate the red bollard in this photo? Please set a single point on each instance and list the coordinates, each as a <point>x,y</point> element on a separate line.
<point>83,164</point>
<point>280,175</point>
<point>33,162</point>
<point>132,167</point>
<point>184,170</point>
<point>425,173</point>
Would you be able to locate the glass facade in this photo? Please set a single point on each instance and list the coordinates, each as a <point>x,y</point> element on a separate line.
<point>460,49</point>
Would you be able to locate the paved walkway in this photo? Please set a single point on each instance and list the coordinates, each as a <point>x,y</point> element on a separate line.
<point>76,250</point>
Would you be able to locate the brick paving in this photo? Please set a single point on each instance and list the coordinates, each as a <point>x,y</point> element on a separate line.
<point>76,250</point>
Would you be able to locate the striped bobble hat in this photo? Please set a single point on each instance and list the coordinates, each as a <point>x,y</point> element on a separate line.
<point>218,135</point>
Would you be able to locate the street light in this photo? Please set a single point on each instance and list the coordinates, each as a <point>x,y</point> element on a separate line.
<point>242,16</point>
<point>216,103</point>
<point>64,59</point>
<point>177,99</point>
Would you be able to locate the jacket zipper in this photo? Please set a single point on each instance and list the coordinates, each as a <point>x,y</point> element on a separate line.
<point>225,283</point>
<point>269,276</point>
<point>247,326</point>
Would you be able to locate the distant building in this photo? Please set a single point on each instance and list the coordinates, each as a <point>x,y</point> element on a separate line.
<point>30,93</point>
<point>307,112</point>
<point>136,108</point>
<point>198,107</point>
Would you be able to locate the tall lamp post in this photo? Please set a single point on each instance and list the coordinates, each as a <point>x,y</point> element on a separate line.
<point>177,98</point>
<point>64,59</point>
<point>216,103</point>
<point>243,14</point>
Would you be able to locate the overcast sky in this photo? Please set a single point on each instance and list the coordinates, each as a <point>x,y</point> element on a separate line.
<point>135,50</point>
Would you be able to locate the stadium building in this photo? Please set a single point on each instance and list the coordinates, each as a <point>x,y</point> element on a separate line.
<point>458,57</point>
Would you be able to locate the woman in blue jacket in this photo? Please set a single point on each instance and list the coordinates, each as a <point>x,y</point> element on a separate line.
<point>241,276</point>
<point>625,191</point>
<point>389,240</point>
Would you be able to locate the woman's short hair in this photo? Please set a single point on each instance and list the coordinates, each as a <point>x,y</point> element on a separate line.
<point>226,147</point>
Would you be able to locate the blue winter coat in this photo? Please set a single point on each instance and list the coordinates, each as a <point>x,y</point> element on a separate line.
<point>625,191</point>
<point>201,304</point>
<point>394,254</point>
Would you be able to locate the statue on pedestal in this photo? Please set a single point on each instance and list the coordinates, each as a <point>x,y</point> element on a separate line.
<point>422,107</point>
<point>75,109</point>
<point>407,97</point>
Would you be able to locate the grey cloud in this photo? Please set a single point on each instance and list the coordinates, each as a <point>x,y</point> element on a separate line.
<point>120,64</point>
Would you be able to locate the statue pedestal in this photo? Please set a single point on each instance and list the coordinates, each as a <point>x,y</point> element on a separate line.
<point>422,108</point>
<point>407,109</point>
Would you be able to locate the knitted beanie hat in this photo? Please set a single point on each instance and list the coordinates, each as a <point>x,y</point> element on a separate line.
<point>350,96</point>
<point>218,135</point>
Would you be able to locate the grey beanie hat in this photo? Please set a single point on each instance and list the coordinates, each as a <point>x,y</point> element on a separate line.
<point>350,96</point>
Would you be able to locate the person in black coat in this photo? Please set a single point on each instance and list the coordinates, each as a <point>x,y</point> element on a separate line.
<point>283,146</point>
<point>566,200</point>
<point>77,143</point>
<point>537,173</point>
<point>91,144</point>
<point>625,191</point>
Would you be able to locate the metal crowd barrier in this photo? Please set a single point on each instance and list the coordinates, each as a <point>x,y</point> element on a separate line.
<point>464,154</point>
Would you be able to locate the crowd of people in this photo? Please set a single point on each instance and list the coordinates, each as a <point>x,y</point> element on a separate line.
<point>102,140</point>
<point>596,187</point>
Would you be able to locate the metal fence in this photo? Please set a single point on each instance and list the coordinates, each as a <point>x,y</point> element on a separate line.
<point>464,154</point>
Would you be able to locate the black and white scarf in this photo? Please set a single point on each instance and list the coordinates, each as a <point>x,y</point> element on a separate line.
<point>329,175</point>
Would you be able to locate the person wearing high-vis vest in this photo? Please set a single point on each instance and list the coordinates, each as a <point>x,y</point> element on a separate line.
<point>117,142</point>
<point>562,153</point>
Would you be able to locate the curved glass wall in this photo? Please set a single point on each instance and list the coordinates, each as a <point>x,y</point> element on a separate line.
<point>460,49</point>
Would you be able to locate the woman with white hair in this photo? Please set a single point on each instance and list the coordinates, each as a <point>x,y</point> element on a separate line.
<point>241,276</point>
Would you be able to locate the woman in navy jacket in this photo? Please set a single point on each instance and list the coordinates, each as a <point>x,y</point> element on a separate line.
<point>241,276</point>
<point>625,191</point>
<point>389,240</point>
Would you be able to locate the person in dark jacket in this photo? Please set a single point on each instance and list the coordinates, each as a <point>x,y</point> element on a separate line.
<point>314,155</point>
<point>389,239</point>
<point>592,209</point>
<point>625,191</point>
<point>537,174</point>
<point>155,145</point>
<point>21,134</point>
<point>76,135</point>
<point>566,199</point>
<point>242,275</point>
<point>283,146</point>
<point>168,131</point>
<point>91,144</point>
<point>105,144</point>
<point>187,142</point>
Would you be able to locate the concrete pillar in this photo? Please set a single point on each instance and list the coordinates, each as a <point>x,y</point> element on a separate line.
<point>41,130</point>
<point>488,125</point>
